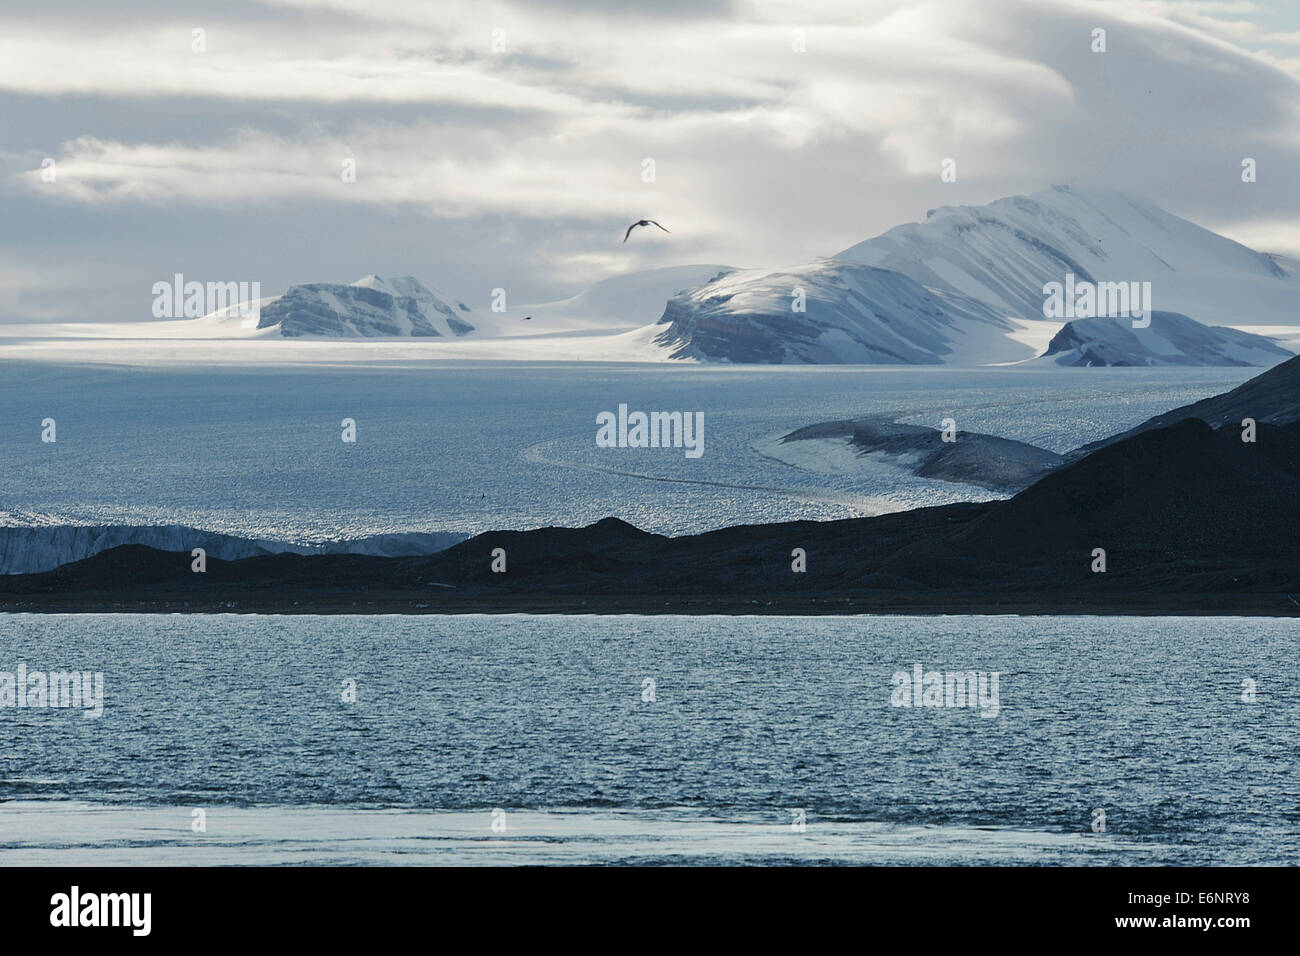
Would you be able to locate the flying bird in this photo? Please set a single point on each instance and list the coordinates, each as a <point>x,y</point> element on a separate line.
<point>641,222</point>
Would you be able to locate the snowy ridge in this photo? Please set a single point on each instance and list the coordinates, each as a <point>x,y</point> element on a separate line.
<point>1003,253</point>
<point>434,305</point>
<point>966,286</point>
<point>850,314</point>
<point>372,307</point>
<point>1171,339</point>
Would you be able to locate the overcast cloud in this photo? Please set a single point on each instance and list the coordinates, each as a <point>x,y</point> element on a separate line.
<point>520,168</point>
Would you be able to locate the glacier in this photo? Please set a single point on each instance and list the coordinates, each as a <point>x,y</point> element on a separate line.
<point>26,548</point>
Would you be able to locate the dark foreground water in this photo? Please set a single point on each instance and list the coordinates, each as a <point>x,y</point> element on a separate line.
<point>757,724</point>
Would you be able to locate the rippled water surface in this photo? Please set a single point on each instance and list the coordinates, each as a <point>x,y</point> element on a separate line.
<point>753,719</point>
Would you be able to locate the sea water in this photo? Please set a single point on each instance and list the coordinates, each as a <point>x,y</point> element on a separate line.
<point>590,739</point>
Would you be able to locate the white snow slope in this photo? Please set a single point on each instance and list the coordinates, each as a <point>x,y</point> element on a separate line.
<point>1004,252</point>
<point>1170,339</point>
<point>831,312</point>
<point>965,287</point>
<point>617,304</point>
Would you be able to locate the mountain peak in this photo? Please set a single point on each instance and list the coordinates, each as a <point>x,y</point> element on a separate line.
<point>968,285</point>
<point>1003,252</point>
<point>371,307</point>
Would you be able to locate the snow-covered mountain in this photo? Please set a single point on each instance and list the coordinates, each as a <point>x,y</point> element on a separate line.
<point>1004,252</point>
<point>964,287</point>
<point>1171,339</point>
<point>830,312</point>
<point>967,287</point>
<point>372,307</point>
<point>435,307</point>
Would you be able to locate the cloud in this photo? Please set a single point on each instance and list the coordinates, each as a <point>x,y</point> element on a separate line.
<point>1274,235</point>
<point>247,63</point>
<point>777,134</point>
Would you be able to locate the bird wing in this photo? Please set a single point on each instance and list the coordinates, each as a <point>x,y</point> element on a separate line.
<point>661,227</point>
<point>629,231</point>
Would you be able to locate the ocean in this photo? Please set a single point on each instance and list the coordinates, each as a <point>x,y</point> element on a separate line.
<point>625,739</point>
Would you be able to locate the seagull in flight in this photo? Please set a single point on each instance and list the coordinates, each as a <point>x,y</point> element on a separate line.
<point>641,222</point>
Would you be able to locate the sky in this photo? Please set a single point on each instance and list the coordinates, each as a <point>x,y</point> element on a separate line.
<point>505,144</point>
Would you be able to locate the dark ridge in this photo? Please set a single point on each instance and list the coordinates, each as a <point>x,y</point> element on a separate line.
<point>1183,497</point>
<point>1272,396</point>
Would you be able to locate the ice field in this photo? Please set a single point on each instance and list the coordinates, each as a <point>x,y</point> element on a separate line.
<point>467,447</point>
